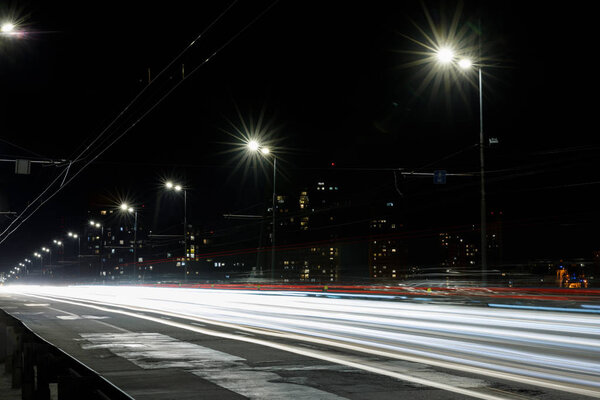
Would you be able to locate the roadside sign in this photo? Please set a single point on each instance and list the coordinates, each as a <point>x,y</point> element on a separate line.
<point>22,167</point>
<point>439,177</point>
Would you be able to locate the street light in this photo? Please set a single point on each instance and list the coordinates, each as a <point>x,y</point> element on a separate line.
<point>97,225</point>
<point>178,188</point>
<point>7,27</point>
<point>10,29</point>
<point>448,56</point>
<point>73,235</point>
<point>76,236</point>
<point>41,257</point>
<point>255,146</point>
<point>126,208</point>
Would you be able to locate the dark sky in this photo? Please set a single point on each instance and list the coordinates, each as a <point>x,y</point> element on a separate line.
<point>331,82</point>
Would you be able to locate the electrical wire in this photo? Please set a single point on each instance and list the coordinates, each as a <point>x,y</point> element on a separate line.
<point>5,234</point>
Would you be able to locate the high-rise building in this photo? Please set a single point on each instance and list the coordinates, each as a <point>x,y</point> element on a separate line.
<point>458,251</point>
<point>495,240</point>
<point>387,253</point>
<point>306,223</point>
<point>108,243</point>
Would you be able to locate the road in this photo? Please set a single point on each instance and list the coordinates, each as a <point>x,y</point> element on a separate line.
<point>177,343</point>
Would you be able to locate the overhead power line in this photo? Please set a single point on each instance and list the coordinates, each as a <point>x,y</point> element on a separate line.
<point>91,158</point>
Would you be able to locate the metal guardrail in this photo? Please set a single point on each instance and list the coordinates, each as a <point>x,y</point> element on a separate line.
<point>44,372</point>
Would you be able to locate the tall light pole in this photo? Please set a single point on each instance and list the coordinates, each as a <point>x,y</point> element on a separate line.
<point>178,188</point>
<point>59,244</point>
<point>73,235</point>
<point>447,56</point>
<point>27,261</point>
<point>125,207</point>
<point>41,257</point>
<point>255,146</point>
<point>98,225</point>
<point>76,236</point>
<point>49,251</point>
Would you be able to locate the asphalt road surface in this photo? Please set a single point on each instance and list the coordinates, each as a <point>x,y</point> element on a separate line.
<point>168,343</point>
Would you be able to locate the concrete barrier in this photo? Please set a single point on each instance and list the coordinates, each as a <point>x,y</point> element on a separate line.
<point>44,372</point>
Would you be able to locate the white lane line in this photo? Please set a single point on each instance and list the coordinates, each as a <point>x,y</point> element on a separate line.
<point>324,356</point>
<point>71,316</point>
<point>94,317</point>
<point>68,317</point>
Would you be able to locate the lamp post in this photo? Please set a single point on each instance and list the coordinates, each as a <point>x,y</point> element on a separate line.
<point>178,188</point>
<point>255,146</point>
<point>447,56</point>
<point>126,208</point>
<point>41,257</point>
<point>49,251</point>
<point>97,225</point>
<point>73,235</point>
<point>76,236</point>
<point>27,261</point>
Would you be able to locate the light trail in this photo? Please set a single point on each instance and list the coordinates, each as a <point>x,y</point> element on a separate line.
<point>557,350</point>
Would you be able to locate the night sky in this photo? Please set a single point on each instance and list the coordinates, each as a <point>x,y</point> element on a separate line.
<point>329,82</point>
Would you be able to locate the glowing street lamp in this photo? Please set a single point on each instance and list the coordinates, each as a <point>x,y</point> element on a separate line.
<point>74,235</point>
<point>97,225</point>
<point>178,188</point>
<point>465,63</point>
<point>255,146</point>
<point>7,28</point>
<point>127,208</point>
<point>447,56</point>
<point>41,257</point>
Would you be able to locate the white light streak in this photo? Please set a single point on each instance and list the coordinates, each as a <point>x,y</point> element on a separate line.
<point>559,350</point>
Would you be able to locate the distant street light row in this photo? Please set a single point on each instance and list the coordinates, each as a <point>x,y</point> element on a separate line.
<point>125,207</point>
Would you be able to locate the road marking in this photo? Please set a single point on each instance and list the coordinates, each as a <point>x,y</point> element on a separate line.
<point>68,317</point>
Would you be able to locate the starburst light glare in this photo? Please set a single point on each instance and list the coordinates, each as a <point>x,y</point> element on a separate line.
<point>253,145</point>
<point>445,55</point>
<point>7,27</point>
<point>465,63</point>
